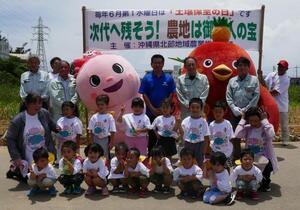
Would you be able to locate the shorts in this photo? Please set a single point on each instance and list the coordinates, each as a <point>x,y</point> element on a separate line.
<point>197,148</point>
<point>169,145</point>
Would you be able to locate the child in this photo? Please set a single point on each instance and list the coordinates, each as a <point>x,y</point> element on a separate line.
<point>161,170</point>
<point>259,134</point>
<point>42,175</point>
<point>136,126</point>
<point>94,169</point>
<point>196,131</point>
<point>102,125</point>
<point>71,127</point>
<point>220,186</point>
<point>188,176</point>
<point>246,176</point>
<point>221,132</point>
<point>71,176</point>
<point>117,167</point>
<point>136,172</point>
<point>165,127</point>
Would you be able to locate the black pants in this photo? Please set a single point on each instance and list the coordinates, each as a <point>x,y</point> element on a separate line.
<point>69,180</point>
<point>267,174</point>
<point>152,137</point>
<point>236,142</point>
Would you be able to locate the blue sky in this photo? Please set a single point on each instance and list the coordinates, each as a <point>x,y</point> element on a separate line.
<point>281,32</point>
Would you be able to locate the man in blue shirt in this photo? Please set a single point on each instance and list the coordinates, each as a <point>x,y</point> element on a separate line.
<point>155,87</point>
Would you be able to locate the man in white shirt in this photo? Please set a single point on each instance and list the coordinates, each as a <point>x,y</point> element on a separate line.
<point>278,84</point>
<point>55,65</point>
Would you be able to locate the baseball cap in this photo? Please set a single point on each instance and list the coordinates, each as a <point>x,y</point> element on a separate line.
<point>284,64</point>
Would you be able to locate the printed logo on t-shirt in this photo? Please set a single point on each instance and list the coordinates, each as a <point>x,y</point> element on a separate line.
<point>167,130</point>
<point>256,146</point>
<point>35,138</point>
<point>99,128</point>
<point>194,133</point>
<point>66,132</point>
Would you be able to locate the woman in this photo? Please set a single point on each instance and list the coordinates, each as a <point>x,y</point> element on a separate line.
<point>28,131</point>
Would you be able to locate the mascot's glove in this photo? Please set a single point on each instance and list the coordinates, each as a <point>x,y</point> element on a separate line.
<point>237,111</point>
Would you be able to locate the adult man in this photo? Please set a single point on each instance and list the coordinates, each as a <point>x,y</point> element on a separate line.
<point>278,83</point>
<point>55,65</point>
<point>191,85</point>
<point>34,81</point>
<point>241,94</point>
<point>155,87</point>
<point>62,89</point>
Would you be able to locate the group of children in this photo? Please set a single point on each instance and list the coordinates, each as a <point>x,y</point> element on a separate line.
<point>207,153</point>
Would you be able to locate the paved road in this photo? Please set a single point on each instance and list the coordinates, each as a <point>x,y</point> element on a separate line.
<point>284,195</point>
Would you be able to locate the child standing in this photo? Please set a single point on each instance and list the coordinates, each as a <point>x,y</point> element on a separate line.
<point>117,167</point>
<point>71,176</point>
<point>221,132</point>
<point>196,131</point>
<point>220,186</point>
<point>136,172</point>
<point>161,170</point>
<point>71,127</point>
<point>94,169</point>
<point>165,127</point>
<point>102,125</point>
<point>42,175</point>
<point>188,175</point>
<point>259,134</point>
<point>136,126</point>
<point>246,176</point>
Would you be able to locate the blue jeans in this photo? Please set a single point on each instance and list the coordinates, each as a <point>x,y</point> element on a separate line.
<point>211,195</point>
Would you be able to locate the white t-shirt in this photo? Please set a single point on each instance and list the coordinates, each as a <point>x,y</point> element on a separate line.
<point>102,125</point>
<point>140,167</point>
<point>52,76</point>
<point>221,133</point>
<point>113,166</point>
<point>194,129</point>
<point>49,171</point>
<point>64,167</point>
<point>159,169</point>
<point>34,135</point>
<point>131,122</point>
<point>165,126</point>
<point>70,128</point>
<point>239,171</point>
<point>223,181</point>
<point>281,84</point>
<point>193,171</point>
<point>98,166</point>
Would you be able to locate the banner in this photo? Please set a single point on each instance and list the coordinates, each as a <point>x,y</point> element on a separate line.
<point>150,29</point>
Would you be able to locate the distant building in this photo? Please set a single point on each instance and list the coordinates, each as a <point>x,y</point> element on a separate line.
<point>295,81</point>
<point>4,48</point>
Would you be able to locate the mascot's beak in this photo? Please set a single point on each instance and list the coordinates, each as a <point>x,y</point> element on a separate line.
<point>222,72</point>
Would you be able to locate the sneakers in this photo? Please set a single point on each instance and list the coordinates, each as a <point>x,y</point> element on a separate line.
<point>265,188</point>
<point>115,190</point>
<point>68,190</point>
<point>239,195</point>
<point>52,191</point>
<point>76,190</point>
<point>123,189</point>
<point>33,191</point>
<point>158,189</point>
<point>254,196</point>
<point>183,194</point>
<point>90,191</point>
<point>166,190</point>
<point>143,193</point>
<point>104,191</point>
<point>230,199</point>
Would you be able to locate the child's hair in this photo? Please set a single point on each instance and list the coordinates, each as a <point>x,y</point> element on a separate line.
<point>166,103</point>
<point>69,144</point>
<point>135,151</point>
<point>39,154</point>
<point>197,101</point>
<point>220,104</point>
<point>121,147</point>
<point>246,152</point>
<point>94,147</point>
<point>103,98</point>
<point>218,158</point>
<point>157,151</point>
<point>252,111</point>
<point>32,98</point>
<point>243,60</point>
<point>137,102</point>
<point>186,152</point>
<point>68,104</point>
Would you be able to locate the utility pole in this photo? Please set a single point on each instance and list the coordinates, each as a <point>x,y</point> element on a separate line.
<point>39,36</point>
<point>296,71</point>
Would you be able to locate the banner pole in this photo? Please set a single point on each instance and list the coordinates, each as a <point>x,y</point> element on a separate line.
<point>86,113</point>
<point>261,35</point>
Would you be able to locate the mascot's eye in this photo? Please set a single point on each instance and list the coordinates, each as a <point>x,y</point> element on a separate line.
<point>207,63</point>
<point>117,68</point>
<point>94,80</point>
<point>234,64</point>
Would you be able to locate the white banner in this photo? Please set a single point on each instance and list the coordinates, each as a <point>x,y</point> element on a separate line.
<point>150,29</point>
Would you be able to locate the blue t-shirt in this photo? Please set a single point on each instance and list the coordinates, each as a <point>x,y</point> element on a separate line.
<point>157,88</point>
